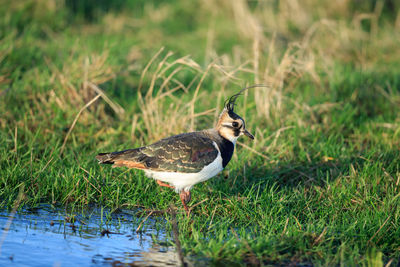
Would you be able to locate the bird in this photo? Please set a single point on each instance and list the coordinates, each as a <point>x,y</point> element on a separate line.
<point>181,161</point>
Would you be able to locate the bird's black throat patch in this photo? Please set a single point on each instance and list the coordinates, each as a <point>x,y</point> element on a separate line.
<point>226,148</point>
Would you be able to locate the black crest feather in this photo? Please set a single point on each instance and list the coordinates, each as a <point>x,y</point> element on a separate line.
<point>231,102</point>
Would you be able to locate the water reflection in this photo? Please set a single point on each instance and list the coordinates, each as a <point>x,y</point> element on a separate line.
<point>53,237</point>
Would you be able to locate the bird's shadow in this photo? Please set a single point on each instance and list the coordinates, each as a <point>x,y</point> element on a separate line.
<point>295,174</point>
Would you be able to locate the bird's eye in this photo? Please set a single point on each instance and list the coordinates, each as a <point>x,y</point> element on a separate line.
<point>235,124</point>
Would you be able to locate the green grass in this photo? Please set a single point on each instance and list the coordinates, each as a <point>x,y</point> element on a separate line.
<point>323,187</point>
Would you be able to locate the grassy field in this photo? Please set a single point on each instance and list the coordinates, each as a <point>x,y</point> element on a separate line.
<point>319,185</point>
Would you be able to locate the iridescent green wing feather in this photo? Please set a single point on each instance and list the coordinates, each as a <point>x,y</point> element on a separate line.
<point>181,153</point>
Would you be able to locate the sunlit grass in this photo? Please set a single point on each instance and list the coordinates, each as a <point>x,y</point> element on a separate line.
<point>318,185</point>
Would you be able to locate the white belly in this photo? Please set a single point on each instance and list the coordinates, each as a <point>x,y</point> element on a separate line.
<point>187,180</point>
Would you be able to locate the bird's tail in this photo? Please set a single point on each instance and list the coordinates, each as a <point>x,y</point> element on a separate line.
<point>106,158</point>
<point>127,158</point>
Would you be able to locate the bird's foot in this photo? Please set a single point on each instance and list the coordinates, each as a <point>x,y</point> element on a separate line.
<point>164,184</point>
<point>185,198</point>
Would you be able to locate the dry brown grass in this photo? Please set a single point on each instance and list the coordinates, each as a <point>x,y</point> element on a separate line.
<point>277,59</point>
<point>273,54</point>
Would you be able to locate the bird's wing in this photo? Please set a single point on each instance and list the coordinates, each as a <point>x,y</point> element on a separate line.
<point>180,153</point>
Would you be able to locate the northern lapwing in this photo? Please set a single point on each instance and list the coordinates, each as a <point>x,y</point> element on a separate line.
<point>181,161</point>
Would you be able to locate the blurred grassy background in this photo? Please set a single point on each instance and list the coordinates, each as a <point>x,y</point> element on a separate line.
<point>320,183</point>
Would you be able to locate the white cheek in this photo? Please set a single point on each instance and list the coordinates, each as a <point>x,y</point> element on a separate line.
<point>229,134</point>
<point>233,139</point>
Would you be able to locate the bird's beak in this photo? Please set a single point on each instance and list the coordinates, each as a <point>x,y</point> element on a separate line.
<point>248,134</point>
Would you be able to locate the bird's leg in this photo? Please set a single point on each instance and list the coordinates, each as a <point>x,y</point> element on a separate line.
<point>164,184</point>
<point>185,198</point>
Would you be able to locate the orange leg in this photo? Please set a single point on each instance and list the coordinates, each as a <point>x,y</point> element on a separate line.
<point>185,198</point>
<point>164,184</point>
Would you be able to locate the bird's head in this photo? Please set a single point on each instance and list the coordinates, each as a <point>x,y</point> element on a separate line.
<point>230,125</point>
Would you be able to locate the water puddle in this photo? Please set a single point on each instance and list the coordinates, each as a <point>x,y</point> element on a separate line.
<point>54,237</point>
